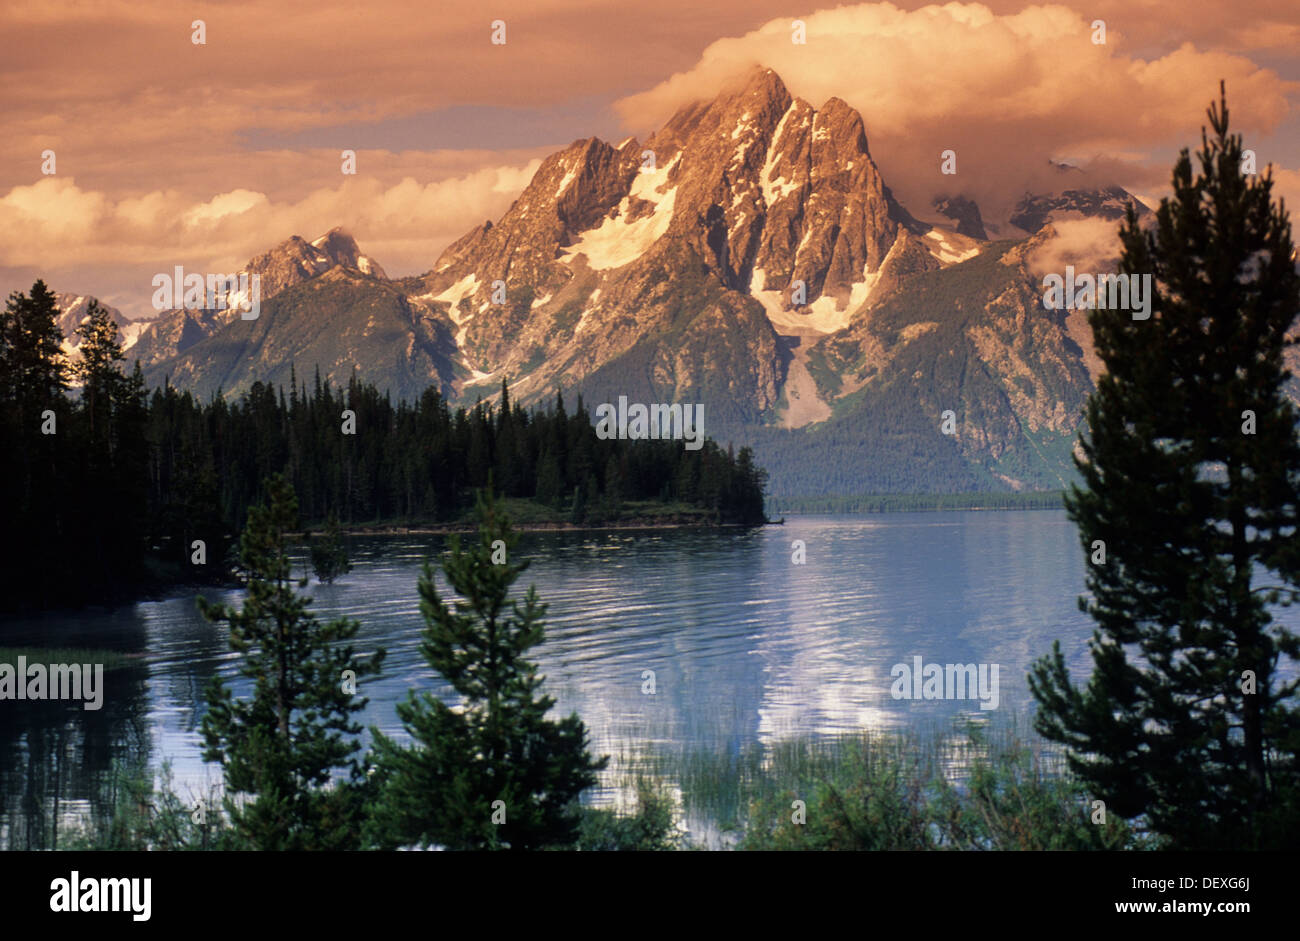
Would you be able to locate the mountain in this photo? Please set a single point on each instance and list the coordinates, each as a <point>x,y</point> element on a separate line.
<point>75,308</point>
<point>173,346</point>
<point>973,339</point>
<point>336,323</point>
<point>1110,202</point>
<point>296,261</point>
<point>964,212</point>
<point>748,256</point>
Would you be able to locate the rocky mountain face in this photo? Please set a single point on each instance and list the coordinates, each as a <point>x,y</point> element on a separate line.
<point>1110,202</point>
<point>964,212</point>
<point>73,311</point>
<point>972,344</point>
<point>75,308</point>
<point>673,267</point>
<point>296,261</point>
<point>172,345</point>
<point>748,256</point>
<point>337,323</point>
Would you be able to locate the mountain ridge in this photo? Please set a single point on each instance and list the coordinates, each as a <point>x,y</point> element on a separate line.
<point>748,255</point>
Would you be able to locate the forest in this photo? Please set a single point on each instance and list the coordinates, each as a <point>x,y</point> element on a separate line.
<point>119,482</point>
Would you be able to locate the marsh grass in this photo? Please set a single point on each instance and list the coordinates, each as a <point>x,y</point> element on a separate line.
<point>973,784</point>
<point>148,813</point>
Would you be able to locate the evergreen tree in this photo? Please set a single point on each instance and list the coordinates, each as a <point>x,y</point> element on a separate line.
<point>496,773</point>
<point>32,365</point>
<point>281,747</point>
<point>38,459</point>
<point>99,371</point>
<point>180,471</point>
<point>329,558</point>
<point>549,480</point>
<point>748,488</point>
<point>196,514</point>
<point>1192,474</point>
<point>578,509</point>
<point>112,456</point>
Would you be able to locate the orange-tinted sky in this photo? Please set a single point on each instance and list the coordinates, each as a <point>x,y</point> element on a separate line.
<point>168,152</point>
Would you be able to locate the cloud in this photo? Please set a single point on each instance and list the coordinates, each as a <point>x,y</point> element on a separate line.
<point>1008,92</point>
<point>205,155</point>
<point>1286,186</point>
<point>234,203</point>
<point>54,227</point>
<point>1090,245</point>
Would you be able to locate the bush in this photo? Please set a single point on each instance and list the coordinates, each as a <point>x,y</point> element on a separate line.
<point>148,818</point>
<point>651,828</point>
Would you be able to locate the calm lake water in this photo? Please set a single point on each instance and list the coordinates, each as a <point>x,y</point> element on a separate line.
<point>745,646</point>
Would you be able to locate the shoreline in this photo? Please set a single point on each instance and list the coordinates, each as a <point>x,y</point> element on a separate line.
<point>446,529</point>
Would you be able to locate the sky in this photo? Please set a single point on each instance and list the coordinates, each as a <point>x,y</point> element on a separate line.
<point>170,152</point>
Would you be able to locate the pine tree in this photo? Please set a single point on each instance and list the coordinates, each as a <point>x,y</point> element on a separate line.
<point>281,747</point>
<point>578,509</point>
<point>32,363</point>
<point>1192,474</point>
<point>99,371</point>
<point>549,479</point>
<point>194,513</point>
<point>37,461</point>
<point>112,448</point>
<point>496,773</point>
<point>329,557</point>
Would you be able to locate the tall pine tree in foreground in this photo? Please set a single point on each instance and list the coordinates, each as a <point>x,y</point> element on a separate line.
<point>280,748</point>
<point>1189,519</point>
<point>495,773</point>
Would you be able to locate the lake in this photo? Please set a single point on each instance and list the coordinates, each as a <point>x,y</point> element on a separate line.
<point>745,646</point>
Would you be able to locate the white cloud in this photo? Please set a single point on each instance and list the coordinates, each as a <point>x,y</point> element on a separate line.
<point>1007,92</point>
<point>80,239</point>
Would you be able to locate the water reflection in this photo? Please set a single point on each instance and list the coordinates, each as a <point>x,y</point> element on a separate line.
<point>745,646</point>
<point>57,759</point>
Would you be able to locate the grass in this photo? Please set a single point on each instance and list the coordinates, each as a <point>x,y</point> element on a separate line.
<point>972,786</point>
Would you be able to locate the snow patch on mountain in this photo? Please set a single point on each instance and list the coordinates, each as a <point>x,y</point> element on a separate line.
<point>616,241</point>
<point>822,314</point>
<point>741,126</point>
<point>132,331</point>
<point>774,188</point>
<point>465,287</point>
<point>827,316</point>
<point>74,310</point>
<point>649,184</point>
<point>568,178</point>
<point>946,251</point>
